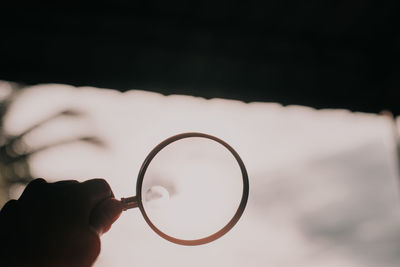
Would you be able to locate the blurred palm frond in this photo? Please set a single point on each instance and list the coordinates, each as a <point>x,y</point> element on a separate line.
<point>15,153</point>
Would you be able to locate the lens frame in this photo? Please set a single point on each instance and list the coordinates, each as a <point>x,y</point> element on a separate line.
<point>222,231</point>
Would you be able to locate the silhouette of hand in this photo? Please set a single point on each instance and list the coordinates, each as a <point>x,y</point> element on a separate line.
<point>57,224</point>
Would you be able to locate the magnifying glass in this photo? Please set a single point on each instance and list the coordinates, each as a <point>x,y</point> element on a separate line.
<point>191,189</point>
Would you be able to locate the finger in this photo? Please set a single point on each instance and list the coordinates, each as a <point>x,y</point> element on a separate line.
<point>34,188</point>
<point>105,214</point>
<point>8,216</point>
<point>96,190</point>
<point>66,182</point>
<point>9,207</point>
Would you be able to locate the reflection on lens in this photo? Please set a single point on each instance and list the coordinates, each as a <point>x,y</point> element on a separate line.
<point>192,188</point>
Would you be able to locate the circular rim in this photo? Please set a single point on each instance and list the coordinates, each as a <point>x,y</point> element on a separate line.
<point>234,219</point>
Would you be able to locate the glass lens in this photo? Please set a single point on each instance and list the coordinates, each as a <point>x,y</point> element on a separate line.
<point>192,188</point>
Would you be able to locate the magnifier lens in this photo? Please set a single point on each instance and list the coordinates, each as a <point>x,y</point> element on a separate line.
<point>192,188</point>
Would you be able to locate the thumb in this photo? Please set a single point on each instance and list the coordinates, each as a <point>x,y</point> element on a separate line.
<point>105,214</point>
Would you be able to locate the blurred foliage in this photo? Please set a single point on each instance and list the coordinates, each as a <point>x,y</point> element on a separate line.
<point>15,153</point>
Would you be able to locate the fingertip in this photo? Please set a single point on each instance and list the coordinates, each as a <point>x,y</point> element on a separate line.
<point>66,182</point>
<point>38,181</point>
<point>98,187</point>
<point>34,187</point>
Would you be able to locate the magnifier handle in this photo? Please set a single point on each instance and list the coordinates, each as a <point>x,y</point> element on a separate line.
<point>129,203</point>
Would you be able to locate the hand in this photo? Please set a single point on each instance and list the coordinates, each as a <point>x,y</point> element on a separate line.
<point>57,224</point>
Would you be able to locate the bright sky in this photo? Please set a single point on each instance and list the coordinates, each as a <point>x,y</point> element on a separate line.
<point>323,188</point>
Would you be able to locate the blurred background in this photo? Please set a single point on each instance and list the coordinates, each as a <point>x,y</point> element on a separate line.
<point>312,80</point>
<point>323,183</point>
